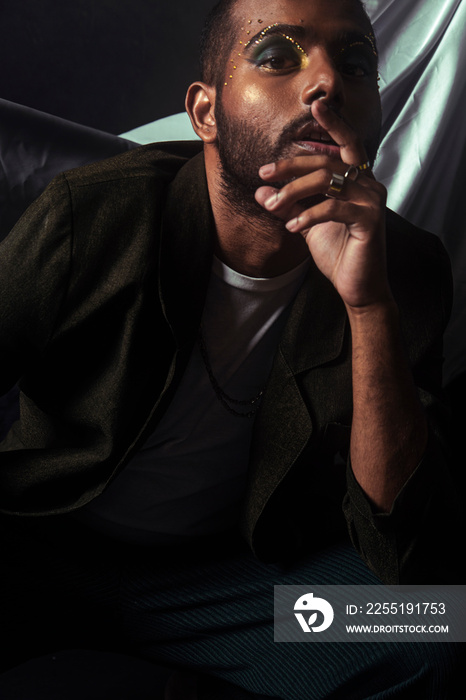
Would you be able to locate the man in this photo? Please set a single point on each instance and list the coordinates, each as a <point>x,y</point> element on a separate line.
<point>204,340</point>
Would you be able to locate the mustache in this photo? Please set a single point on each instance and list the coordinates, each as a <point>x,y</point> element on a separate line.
<point>305,121</point>
<point>294,128</point>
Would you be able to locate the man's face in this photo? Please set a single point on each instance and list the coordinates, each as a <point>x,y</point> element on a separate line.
<point>285,57</point>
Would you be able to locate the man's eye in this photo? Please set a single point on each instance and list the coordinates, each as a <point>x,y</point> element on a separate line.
<point>279,61</point>
<point>357,69</point>
<point>358,63</point>
<point>277,54</point>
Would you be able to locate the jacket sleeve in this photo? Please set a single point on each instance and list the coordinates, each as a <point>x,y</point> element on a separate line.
<point>414,543</point>
<point>34,271</point>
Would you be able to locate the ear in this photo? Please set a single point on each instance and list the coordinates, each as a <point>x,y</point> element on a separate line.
<point>200,106</point>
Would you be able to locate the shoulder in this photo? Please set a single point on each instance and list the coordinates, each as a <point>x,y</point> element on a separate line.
<point>117,181</point>
<point>129,188</point>
<point>156,161</point>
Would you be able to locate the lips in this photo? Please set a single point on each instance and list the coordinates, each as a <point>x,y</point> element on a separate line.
<point>312,137</point>
<point>312,131</point>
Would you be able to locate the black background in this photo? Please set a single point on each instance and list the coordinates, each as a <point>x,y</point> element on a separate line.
<point>109,64</point>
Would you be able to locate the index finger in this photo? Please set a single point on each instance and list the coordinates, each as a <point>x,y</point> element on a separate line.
<point>352,150</point>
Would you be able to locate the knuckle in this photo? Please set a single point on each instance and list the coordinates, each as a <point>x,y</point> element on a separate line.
<point>380,189</point>
<point>306,217</point>
<point>375,191</point>
<point>326,175</point>
<point>286,193</point>
<point>333,206</point>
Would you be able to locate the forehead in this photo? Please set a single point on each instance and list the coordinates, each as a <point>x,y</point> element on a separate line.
<point>317,17</point>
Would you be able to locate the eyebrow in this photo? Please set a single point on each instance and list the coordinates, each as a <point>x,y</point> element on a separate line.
<point>295,30</point>
<point>358,38</point>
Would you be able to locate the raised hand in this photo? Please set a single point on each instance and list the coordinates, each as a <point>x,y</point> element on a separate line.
<point>345,230</point>
<point>342,218</point>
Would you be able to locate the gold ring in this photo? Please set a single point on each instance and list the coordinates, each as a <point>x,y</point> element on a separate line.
<point>363,166</point>
<point>336,184</point>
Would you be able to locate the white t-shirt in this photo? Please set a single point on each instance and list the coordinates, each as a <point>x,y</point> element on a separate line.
<point>188,478</point>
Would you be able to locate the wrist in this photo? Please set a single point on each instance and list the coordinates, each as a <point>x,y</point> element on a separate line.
<point>384,310</point>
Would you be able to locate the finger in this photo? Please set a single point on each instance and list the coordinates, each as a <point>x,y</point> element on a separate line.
<point>311,185</point>
<point>359,217</point>
<point>265,195</point>
<point>300,166</point>
<point>352,150</point>
<point>292,167</point>
<point>262,194</point>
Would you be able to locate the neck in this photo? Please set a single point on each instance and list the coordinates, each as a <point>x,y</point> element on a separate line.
<point>251,242</point>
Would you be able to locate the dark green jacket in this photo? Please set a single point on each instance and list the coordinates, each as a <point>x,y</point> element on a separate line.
<point>102,286</point>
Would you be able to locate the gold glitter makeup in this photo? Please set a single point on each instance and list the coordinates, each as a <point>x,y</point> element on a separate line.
<point>276,52</point>
<point>371,39</point>
<point>360,43</point>
<point>265,31</point>
<point>293,41</point>
<point>261,35</point>
<point>358,58</point>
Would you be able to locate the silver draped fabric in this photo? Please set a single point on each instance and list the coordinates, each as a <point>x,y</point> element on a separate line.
<point>422,158</point>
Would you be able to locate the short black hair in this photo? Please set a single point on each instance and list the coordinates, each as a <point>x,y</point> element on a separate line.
<point>217,41</point>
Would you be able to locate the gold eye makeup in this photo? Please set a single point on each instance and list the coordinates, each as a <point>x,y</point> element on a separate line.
<point>274,49</point>
<point>371,39</point>
<point>358,58</point>
<point>277,53</point>
<point>276,28</point>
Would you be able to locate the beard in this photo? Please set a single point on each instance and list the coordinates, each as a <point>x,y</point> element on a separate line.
<point>243,148</point>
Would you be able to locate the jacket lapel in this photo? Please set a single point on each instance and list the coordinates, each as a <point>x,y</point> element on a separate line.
<point>315,329</point>
<point>313,336</point>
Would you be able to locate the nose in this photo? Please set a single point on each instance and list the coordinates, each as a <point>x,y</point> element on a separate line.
<point>322,79</point>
